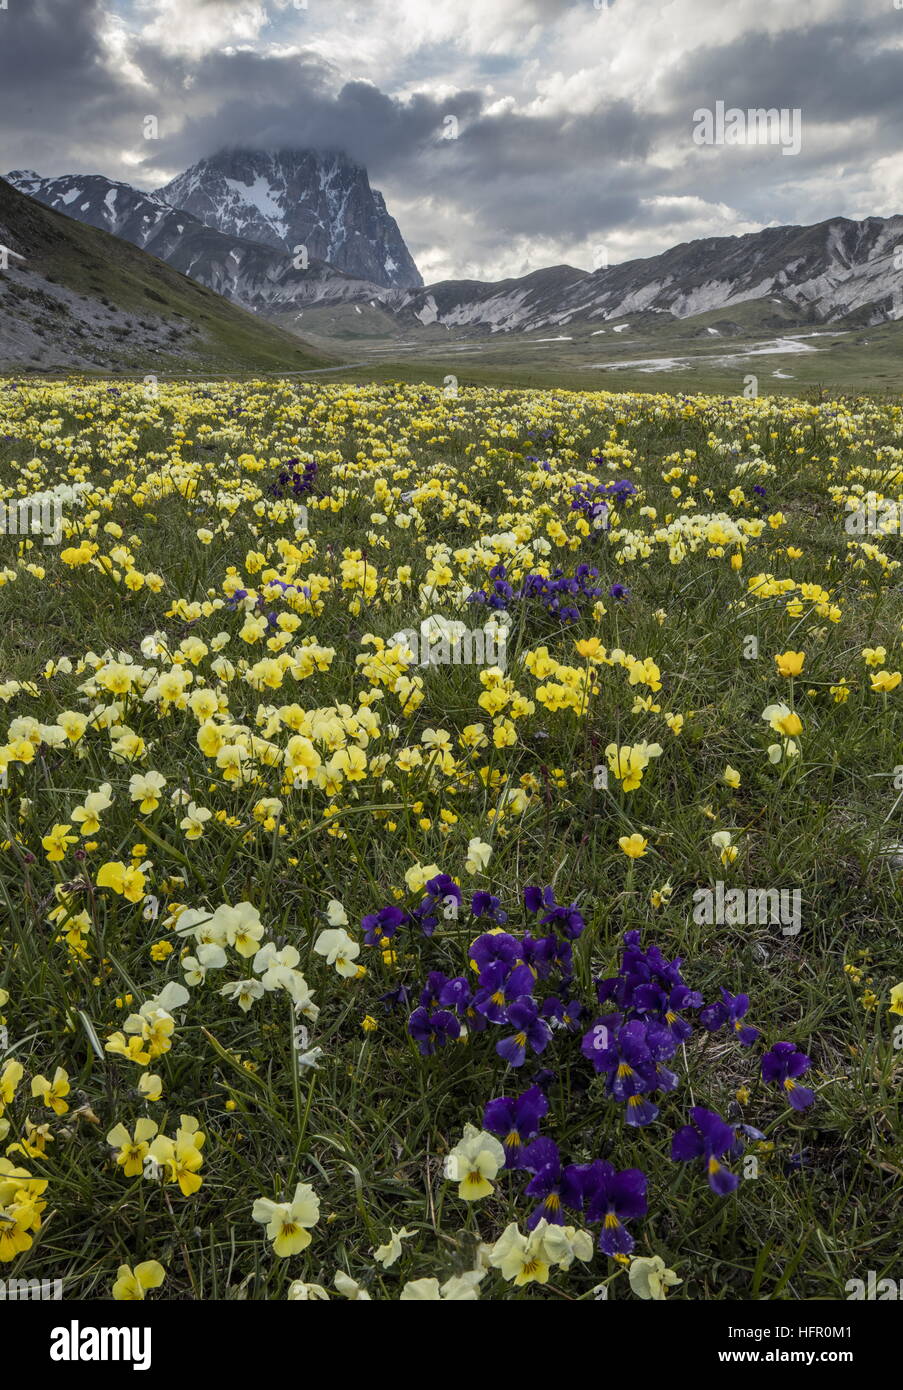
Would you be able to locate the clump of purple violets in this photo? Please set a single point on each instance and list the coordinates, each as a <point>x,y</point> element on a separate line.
<point>560,594</point>
<point>295,481</point>
<point>521,984</point>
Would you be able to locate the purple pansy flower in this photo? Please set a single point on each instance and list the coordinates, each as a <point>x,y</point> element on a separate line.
<point>708,1137</point>
<point>529,1031</point>
<point>516,1121</point>
<point>432,1030</point>
<point>783,1063</point>
<point>613,1198</point>
<point>730,1010</point>
<point>382,925</point>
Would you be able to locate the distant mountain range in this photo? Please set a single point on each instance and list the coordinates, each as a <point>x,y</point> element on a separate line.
<point>835,270</point>
<point>235,221</point>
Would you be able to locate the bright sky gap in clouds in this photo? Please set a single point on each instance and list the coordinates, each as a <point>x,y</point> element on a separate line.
<point>573,123</point>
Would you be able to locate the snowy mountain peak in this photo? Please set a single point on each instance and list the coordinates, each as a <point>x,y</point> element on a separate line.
<point>299,198</point>
<point>21,178</point>
<point>101,202</point>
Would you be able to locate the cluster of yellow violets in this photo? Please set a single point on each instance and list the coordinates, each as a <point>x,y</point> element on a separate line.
<point>226,671</point>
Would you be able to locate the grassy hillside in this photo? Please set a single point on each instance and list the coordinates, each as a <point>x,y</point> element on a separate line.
<point>73,296</point>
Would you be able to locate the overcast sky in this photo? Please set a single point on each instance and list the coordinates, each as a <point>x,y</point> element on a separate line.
<point>574,123</point>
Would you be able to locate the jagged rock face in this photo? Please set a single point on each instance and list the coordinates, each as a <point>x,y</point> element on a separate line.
<point>294,198</point>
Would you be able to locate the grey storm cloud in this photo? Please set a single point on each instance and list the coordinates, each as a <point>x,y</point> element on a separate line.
<point>538,176</point>
<point>52,72</point>
<point>273,102</point>
<point>832,72</point>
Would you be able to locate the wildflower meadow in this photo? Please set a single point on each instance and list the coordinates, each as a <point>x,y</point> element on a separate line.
<point>449,843</point>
